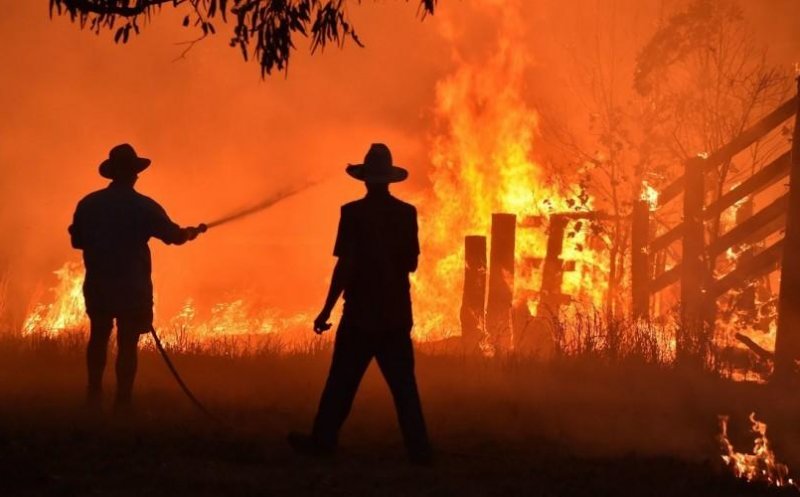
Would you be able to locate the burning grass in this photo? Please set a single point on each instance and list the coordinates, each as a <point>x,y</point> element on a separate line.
<point>759,466</point>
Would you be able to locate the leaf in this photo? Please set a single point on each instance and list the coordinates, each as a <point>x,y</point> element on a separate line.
<point>186,21</point>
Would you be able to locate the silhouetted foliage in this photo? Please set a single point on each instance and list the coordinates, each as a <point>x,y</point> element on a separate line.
<point>264,28</point>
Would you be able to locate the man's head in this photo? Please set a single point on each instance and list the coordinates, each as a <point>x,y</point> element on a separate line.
<point>378,170</point>
<point>123,165</point>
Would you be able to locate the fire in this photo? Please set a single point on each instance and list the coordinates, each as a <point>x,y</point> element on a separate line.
<point>235,318</point>
<point>67,311</point>
<point>759,466</point>
<point>482,163</point>
<point>650,195</point>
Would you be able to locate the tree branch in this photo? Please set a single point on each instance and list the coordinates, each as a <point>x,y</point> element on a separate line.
<point>111,7</point>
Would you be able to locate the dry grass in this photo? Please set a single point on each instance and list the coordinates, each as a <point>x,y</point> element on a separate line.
<point>579,425</point>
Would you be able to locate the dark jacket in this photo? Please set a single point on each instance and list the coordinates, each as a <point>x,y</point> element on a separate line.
<point>112,226</point>
<point>378,237</point>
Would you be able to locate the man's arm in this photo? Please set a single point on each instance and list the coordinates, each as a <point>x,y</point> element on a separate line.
<point>163,228</point>
<point>343,249</point>
<point>341,273</point>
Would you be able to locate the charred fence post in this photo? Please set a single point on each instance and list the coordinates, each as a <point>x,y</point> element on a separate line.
<point>501,281</point>
<point>473,301</point>
<point>691,332</point>
<point>787,339</point>
<point>640,267</point>
<point>553,271</point>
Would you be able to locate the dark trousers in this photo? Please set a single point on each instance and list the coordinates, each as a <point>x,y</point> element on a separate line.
<point>128,329</point>
<point>352,353</point>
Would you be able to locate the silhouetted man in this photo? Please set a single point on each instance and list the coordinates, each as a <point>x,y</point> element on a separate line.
<point>112,226</point>
<point>377,248</point>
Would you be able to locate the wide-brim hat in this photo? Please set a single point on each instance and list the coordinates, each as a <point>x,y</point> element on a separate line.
<point>122,161</point>
<point>377,167</point>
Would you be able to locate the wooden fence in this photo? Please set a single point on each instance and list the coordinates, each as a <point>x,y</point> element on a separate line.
<point>487,308</point>
<point>699,289</point>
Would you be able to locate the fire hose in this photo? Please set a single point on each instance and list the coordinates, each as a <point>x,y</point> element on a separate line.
<point>202,228</point>
<point>168,361</point>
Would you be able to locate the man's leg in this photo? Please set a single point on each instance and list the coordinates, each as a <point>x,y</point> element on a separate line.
<point>128,330</point>
<point>395,356</point>
<point>96,351</point>
<point>351,357</point>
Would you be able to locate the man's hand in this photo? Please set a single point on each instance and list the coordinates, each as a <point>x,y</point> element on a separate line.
<point>321,324</point>
<point>193,232</point>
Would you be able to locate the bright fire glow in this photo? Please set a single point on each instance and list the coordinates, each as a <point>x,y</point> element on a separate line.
<point>650,195</point>
<point>235,318</point>
<point>483,163</point>
<point>67,311</point>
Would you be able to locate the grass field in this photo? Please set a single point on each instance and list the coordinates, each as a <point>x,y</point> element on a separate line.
<point>502,427</point>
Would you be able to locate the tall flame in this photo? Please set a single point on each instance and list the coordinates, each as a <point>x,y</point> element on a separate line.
<point>483,162</point>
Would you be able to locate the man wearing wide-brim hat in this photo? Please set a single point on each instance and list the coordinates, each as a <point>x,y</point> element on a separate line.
<point>377,248</point>
<point>112,226</point>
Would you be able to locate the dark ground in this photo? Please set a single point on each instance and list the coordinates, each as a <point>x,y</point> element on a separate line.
<point>502,427</point>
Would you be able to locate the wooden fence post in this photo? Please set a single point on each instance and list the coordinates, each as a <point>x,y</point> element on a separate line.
<point>553,271</point>
<point>691,339</point>
<point>473,301</point>
<point>501,281</point>
<point>640,267</point>
<point>787,340</point>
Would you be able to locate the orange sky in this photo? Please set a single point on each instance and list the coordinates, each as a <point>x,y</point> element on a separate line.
<point>220,137</point>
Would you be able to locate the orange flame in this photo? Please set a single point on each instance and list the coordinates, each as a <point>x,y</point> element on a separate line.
<point>236,318</point>
<point>67,311</point>
<point>761,465</point>
<point>482,163</point>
